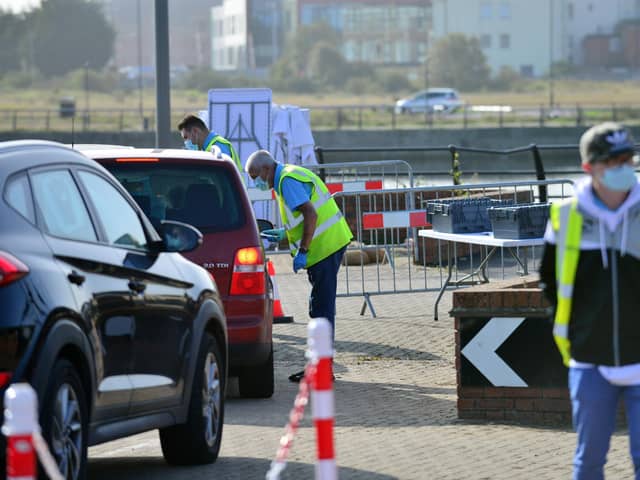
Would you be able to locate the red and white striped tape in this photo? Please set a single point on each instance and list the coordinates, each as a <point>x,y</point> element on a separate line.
<point>320,353</point>
<point>356,186</point>
<point>399,219</point>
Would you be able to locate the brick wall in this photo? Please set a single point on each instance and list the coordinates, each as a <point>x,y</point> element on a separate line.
<point>543,402</point>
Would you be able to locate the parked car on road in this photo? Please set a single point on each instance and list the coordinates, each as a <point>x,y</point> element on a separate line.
<point>432,100</point>
<point>205,189</point>
<point>117,332</point>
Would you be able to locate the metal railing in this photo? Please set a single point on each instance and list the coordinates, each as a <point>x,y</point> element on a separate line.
<point>335,117</point>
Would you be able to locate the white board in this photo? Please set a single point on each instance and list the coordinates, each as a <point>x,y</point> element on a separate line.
<point>243,116</point>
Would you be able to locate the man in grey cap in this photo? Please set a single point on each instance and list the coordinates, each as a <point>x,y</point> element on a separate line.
<point>590,271</point>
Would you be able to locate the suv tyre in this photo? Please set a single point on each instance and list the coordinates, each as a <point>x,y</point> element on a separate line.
<point>64,420</point>
<point>257,382</point>
<point>197,441</point>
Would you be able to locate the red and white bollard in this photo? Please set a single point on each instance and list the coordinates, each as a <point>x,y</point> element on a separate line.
<point>20,423</point>
<point>320,353</point>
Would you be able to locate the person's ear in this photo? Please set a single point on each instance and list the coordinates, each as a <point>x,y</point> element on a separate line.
<point>586,167</point>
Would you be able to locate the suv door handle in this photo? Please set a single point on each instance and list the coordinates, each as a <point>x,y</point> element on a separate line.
<point>75,277</point>
<point>137,286</point>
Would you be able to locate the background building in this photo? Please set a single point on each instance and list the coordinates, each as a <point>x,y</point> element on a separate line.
<point>250,34</point>
<point>530,36</point>
<point>134,23</point>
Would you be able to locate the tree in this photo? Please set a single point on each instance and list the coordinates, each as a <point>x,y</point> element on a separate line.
<point>301,43</point>
<point>11,38</point>
<point>326,66</point>
<point>457,61</point>
<point>68,34</point>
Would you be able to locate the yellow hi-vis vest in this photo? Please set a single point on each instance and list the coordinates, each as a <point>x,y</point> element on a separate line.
<point>566,222</point>
<point>332,232</point>
<point>224,141</point>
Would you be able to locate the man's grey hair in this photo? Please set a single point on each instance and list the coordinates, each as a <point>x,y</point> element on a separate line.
<point>258,160</point>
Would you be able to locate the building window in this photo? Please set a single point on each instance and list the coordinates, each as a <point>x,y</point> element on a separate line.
<point>485,10</point>
<point>505,40</point>
<point>505,10</point>
<point>485,41</point>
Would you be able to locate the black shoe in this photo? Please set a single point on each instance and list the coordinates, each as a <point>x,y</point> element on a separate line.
<point>296,377</point>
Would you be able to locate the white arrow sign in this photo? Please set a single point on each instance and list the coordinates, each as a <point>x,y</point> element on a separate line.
<point>481,351</point>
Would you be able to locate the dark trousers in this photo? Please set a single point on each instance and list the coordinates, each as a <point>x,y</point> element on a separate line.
<point>323,277</point>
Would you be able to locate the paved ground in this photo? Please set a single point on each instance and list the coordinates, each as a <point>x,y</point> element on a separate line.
<point>395,409</point>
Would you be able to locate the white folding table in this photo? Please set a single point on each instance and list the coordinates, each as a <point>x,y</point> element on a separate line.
<point>485,239</point>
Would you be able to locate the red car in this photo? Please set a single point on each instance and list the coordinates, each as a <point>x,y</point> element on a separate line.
<point>205,190</point>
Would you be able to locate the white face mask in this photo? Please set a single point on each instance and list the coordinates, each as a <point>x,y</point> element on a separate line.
<point>619,179</point>
<point>261,184</point>
<point>189,145</point>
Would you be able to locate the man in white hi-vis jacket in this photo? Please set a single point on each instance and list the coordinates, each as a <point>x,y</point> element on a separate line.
<point>590,271</point>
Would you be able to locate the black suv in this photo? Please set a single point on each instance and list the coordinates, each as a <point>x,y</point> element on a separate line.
<point>117,332</point>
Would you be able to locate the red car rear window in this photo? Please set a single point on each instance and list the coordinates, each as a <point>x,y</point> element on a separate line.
<point>205,197</point>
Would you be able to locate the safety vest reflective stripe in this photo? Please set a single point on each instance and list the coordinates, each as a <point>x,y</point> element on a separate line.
<point>567,224</point>
<point>295,221</point>
<point>331,232</point>
<point>322,228</point>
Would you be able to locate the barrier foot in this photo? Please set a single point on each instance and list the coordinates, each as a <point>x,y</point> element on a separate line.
<point>367,303</point>
<point>284,319</point>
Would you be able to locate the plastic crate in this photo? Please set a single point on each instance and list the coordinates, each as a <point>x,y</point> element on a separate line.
<point>462,215</point>
<point>519,221</point>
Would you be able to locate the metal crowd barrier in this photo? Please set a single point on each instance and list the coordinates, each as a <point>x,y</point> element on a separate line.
<point>387,256</point>
<point>342,177</point>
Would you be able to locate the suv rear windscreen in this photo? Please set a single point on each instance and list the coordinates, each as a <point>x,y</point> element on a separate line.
<point>205,197</point>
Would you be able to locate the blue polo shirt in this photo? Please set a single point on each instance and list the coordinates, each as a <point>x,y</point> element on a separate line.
<point>223,148</point>
<point>294,192</point>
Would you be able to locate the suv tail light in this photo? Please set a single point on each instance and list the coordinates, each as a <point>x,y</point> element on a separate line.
<point>11,269</point>
<point>5,378</point>
<point>248,272</point>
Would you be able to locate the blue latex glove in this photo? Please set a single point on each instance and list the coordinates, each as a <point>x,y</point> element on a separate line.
<point>273,234</point>
<point>299,261</point>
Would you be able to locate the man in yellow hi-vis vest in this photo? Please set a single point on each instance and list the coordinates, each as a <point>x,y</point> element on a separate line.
<point>317,232</point>
<point>197,136</point>
<point>590,271</point>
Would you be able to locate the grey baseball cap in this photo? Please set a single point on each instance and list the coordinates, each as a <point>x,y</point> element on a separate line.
<point>605,140</point>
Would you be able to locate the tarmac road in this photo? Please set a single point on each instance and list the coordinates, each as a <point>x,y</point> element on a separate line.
<point>396,413</point>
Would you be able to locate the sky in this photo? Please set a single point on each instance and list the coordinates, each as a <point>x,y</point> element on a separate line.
<point>18,5</point>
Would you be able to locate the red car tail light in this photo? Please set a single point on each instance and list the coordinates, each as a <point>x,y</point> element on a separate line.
<point>5,378</point>
<point>248,272</point>
<point>11,269</point>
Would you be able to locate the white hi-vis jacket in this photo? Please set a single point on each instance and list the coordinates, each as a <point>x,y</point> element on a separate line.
<point>332,232</point>
<point>591,266</point>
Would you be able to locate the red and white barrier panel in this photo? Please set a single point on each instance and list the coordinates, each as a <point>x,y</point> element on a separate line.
<point>24,441</point>
<point>399,219</point>
<point>256,195</point>
<point>320,352</point>
<point>354,186</point>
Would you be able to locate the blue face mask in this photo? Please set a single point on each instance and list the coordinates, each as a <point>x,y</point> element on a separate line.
<point>261,184</point>
<point>619,179</point>
<point>189,145</point>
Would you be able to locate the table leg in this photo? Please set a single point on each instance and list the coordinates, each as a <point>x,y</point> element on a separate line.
<point>446,282</point>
